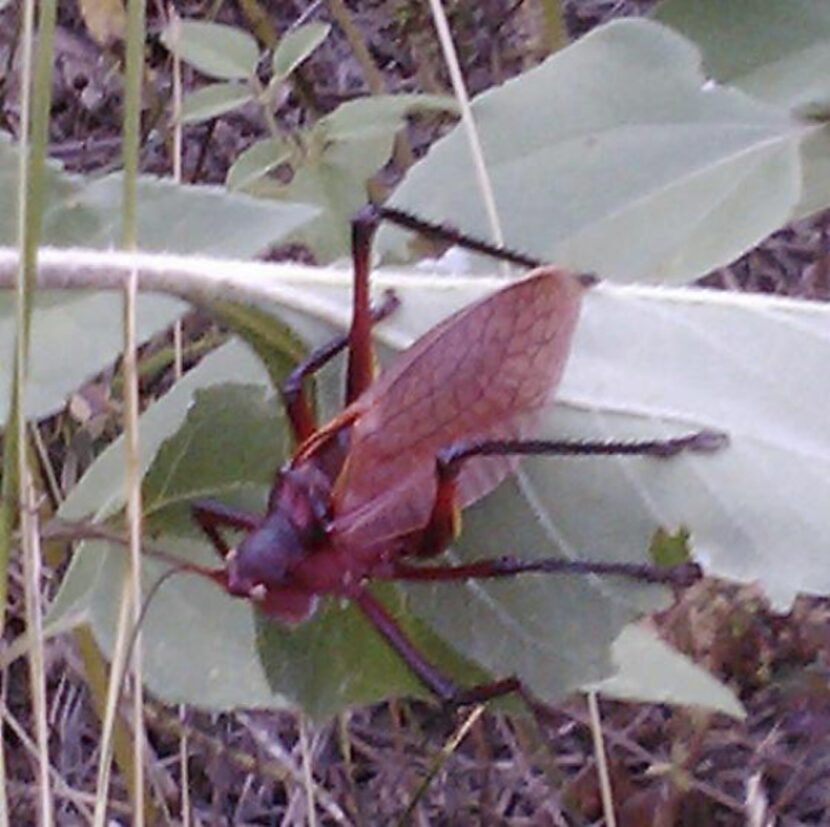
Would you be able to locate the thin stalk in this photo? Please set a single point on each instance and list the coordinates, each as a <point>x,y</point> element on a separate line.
<point>357,43</point>
<point>308,778</point>
<point>130,608</point>
<point>184,770</point>
<point>178,130</point>
<point>117,668</point>
<point>4,804</point>
<point>485,185</point>
<point>134,71</point>
<point>34,624</point>
<point>17,485</point>
<point>447,750</point>
<point>602,763</point>
<point>374,77</point>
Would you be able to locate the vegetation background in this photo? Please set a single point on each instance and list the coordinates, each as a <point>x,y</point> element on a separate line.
<point>291,126</point>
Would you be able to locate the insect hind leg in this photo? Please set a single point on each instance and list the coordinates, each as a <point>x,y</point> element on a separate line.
<point>449,460</point>
<point>442,687</point>
<point>443,522</point>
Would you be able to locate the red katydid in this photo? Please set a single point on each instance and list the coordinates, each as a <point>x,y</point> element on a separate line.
<point>375,493</point>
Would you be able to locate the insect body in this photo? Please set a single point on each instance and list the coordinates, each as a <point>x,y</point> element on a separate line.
<point>377,491</point>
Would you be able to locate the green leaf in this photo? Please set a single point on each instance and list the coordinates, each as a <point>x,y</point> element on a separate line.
<point>368,117</point>
<point>73,337</point>
<point>65,223</point>
<point>646,362</point>
<point>214,49</point>
<point>277,348</point>
<point>232,440</point>
<point>346,148</point>
<point>776,50</point>
<point>612,157</point>
<point>257,161</point>
<point>350,664</point>
<point>173,218</point>
<point>214,100</point>
<point>296,46</point>
<point>336,184</point>
<point>670,548</point>
<point>100,491</point>
<point>89,587</point>
<point>185,219</point>
<point>196,642</point>
<point>650,671</point>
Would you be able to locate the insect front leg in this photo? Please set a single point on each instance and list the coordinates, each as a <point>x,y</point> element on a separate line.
<point>293,393</point>
<point>212,516</point>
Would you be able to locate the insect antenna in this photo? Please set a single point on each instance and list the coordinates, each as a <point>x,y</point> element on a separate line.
<point>448,233</point>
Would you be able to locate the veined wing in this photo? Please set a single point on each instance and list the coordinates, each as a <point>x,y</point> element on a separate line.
<point>483,373</point>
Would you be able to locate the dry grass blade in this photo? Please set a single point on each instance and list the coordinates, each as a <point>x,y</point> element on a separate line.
<point>134,71</point>
<point>276,751</point>
<point>460,90</point>
<point>308,780</point>
<point>119,664</point>
<point>175,22</point>
<point>4,804</point>
<point>34,622</point>
<point>447,750</point>
<point>18,487</point>
<point>130,609</point>
<point>602,763</point>
<point>184,769</point>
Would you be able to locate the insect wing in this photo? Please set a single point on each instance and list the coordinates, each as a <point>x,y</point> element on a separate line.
<point>483,373</point>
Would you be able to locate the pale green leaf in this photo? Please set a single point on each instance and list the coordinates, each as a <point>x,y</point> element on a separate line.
<point>214,100</point>
<point>65,222</point>
<point>349,146</point>
<point>232,440</point>
<point>368,116</point>
<point>88,584</point>
<point>776,50</point>
<point>646,362</point>
<point>336,184</point>
<point>171,217</point>
<point>257,161</point>
<point>100,491</point>
<point>214,49</point>
<point>296,46</point>
<point>650,671</point>
<point>188,219</point>
<point>614,157</point>
<point>73,337</point>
